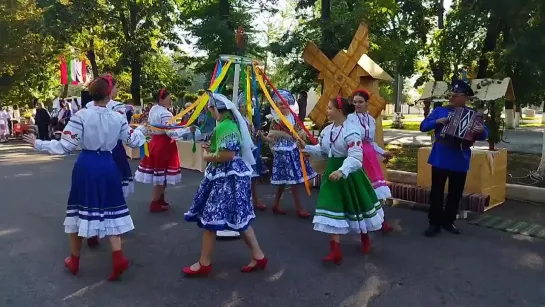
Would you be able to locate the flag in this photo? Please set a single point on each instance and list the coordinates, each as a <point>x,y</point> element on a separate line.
<point>64,71</point>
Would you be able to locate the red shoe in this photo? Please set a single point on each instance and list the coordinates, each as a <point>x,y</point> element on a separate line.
<point>365,243</point>
<point>303,214</point>
<point>386,228</point>
<point>204,270</point>
<point>72,264</point>
<point>335,255</point>
<point>157,206</point>
<point>260,264</point>
<point>93,242</point>
<point>120,265</point>
<point>278,211</point>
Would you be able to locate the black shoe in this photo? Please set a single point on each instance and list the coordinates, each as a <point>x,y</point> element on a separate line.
<point>432,231</point>
<point>452,229</point>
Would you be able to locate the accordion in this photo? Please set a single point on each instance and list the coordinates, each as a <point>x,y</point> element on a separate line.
<point>459,128</point>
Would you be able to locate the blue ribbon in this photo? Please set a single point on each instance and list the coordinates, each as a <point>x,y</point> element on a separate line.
<point>257,119</point>
<point>220,68</point>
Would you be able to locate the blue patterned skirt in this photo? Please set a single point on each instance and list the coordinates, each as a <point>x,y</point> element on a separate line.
<point>96,206</point>
<point>287,168</point>
<point>122,162</point>
<point>223,200</point>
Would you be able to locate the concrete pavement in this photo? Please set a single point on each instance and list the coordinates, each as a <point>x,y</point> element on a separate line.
<point>482,268</point>
<point>520,140</point>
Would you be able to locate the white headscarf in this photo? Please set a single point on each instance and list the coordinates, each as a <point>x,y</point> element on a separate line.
<point>221,102</point>
<point>290,99</point>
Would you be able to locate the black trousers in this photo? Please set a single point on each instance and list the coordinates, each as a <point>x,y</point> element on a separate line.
<point>456,182</point>
<point>43,132</point>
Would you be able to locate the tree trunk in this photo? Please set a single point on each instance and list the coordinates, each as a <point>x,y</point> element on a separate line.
<point>438,68</point>
<point>490,42</point>
<point>509,115</point>
<point>541,167</point>
<point>92,57</point>
<point>136,71</point>
<point>518,111</point>
<point>543,113</point>
<point>327,32</point>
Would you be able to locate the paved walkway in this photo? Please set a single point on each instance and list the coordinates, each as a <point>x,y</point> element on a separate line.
<point>520,140</point>
<point>483,268</point>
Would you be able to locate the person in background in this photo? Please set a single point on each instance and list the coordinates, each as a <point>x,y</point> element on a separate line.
<point>42,120</point>
<point>129,112</point>
<point>4,131</point>
<point>9,110</point>
<point>302,102</point>
<point>207,123</point>
<point>186,117</point>
<point>449,159</point>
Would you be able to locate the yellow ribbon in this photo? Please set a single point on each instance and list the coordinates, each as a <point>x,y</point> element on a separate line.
<point>248,95</point>
<point>200,103</point>
<point>286,123</point>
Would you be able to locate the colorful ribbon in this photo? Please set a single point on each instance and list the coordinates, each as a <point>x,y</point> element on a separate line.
<point>201,102</point>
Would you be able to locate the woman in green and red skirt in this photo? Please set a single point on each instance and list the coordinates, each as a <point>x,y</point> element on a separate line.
<point>347,201</point>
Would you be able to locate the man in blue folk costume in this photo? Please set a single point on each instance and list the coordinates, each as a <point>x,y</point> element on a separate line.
<point>449,159</point>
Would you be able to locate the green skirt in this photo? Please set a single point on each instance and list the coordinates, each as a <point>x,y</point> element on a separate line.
<point>347,204</point>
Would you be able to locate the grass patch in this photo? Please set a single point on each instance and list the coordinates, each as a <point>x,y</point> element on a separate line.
<point>530,125</point>
<point>519,165</point>
<point>407,125</point>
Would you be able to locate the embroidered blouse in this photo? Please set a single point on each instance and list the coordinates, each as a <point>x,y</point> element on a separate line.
<point>112,105</point>
<point>367,126</point>
<point>340,142</point>
<point>159,115</point>
<point>96,129</point>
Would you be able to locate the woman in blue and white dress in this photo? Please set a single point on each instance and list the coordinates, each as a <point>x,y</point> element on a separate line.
<point>223,200</point>
<point>96,206</point>
<point>287,169</point>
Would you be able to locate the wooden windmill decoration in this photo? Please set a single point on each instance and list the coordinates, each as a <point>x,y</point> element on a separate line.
<point>349,70</point>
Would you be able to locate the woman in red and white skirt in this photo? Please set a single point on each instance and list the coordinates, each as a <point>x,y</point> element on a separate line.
<point>162,166</point>
<point>371,150</point>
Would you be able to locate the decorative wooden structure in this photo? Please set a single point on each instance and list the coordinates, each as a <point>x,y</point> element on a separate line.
<point>487,174</point>
<point>349,70</point>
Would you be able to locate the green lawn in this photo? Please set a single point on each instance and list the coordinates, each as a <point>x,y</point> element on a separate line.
<point>519,165</point>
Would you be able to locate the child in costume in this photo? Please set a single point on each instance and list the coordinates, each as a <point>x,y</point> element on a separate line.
<point>96,206</point>
<point>347,201</point>
<point>223,200</point>
<point>371,150</point>
<point>287,169</point>
<point>162,165</point>
<point>259,169</point>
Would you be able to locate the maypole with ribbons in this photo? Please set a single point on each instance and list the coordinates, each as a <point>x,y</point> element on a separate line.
<point>251,79</point>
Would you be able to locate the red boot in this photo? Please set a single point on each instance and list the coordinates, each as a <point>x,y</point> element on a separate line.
<point>157,206</point>
<point>365,243</point>
<point>72,264</point>
<point>163,201</point>
<point>93,242</point>
<point>335,254</point>
<point>119,265</point>
<point>386,228</point>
